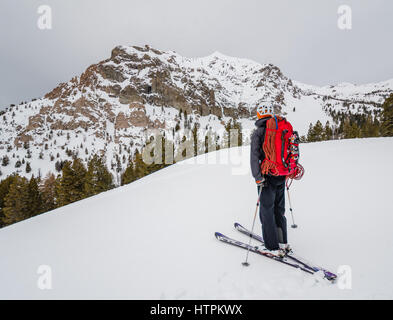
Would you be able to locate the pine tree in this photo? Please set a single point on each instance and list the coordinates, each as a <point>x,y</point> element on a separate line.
<point>17,204</point>
<point>28,167</point>
<point>141,168</point>
<point>318,131</point>
<point>35,199</point>
<point>48,192</point>
<point>315,133</point>
<point>367,128</point>
<point>59,165</point>
<point>303,139</point>
<point>347,129</point>
<point>351,130</point>
<point>387,117</point>
<point>80,172</point>
<point>328,132</point>
<point>5,161</point>
<point>195,138</point>
<point>376,130</point>
<point>98,178</point>
<point>71,184</point>
<point>65,185</point>
<point>310,133</point>
<point>4,190</point>
<point>128,175</point>
<point>355,130</point>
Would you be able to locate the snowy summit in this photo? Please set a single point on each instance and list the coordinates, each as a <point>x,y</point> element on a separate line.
<point>108,108</point>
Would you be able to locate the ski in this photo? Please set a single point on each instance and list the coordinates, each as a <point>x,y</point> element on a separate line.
<point>245,246</point>
<point>329,275</point>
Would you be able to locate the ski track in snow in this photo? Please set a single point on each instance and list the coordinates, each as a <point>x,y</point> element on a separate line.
<point>154,238</point>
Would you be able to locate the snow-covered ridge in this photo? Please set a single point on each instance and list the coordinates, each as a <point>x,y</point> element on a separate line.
<point>375,92</point>
<point>108,108</point>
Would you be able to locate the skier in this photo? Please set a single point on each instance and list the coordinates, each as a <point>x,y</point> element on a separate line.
<point>272,196</point>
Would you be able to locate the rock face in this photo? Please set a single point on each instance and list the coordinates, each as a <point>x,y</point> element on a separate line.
<point>109,107</point>
<point>129,95</point>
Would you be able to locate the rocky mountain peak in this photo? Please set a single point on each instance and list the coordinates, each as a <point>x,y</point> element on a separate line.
<point>108,108</point>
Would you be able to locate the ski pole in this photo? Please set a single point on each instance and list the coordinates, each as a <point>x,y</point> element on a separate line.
<point>245,263</point>
<point>290,209</point>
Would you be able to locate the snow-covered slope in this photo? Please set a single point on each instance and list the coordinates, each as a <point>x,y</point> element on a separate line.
<point>155,238</point>
<point>109,108</point>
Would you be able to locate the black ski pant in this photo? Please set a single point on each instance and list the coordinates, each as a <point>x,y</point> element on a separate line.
<point>272,212</point>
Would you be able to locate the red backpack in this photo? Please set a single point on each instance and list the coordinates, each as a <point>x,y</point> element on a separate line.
<point>281,147</point>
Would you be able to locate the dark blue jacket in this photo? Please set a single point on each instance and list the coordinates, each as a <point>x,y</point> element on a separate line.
<point>256,154</point>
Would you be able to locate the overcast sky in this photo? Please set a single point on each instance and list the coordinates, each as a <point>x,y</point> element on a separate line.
<point>299,36</point>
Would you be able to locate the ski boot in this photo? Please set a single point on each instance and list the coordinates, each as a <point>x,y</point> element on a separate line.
<point>286,248</point>
<point>278,253</point>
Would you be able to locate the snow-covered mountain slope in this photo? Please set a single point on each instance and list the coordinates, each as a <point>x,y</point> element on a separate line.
<point>155,238</point>
<point>109,108</point>
<point>371,92</point>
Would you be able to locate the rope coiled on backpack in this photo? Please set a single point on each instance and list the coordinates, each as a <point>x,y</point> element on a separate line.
<point>269,165</point>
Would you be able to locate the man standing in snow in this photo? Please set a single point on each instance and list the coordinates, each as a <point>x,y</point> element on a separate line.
<point>272,199</point>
